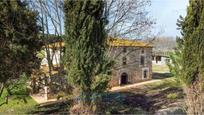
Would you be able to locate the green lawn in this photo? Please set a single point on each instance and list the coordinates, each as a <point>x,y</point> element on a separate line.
<point>170,82</point>
<point>160,68</point>
<point>17,106</point>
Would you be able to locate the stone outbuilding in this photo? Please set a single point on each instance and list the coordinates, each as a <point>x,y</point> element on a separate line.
<point>161,57</point>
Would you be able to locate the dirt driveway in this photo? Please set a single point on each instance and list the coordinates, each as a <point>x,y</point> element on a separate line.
<point>118,88</point>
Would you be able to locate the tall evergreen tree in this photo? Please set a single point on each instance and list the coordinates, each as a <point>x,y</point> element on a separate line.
<point>19,41</point>
<point>85,41</point>
<point>192,29</point>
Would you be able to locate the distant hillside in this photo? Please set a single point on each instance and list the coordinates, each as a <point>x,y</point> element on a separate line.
<point>162,43</point>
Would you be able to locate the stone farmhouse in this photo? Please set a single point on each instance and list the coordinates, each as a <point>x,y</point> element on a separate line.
<point>161,57</point>
<point>133,61</point>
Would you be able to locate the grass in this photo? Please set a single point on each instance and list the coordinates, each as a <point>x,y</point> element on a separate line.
<point>160,68</point>
<point>172,96</point>
<point>170,82</point>
<point>17,106</point>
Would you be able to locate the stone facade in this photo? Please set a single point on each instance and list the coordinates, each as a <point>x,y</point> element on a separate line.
<point>132,64</point>
<point>133,61</point>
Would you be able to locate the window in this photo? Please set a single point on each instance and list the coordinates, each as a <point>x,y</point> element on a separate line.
<point>152,57</point>
<point>124,61</point>
<point>158,58</point>
<point>142,51</point>
<point>124,49</point>
<point>145,74</point>
<point>142,60</point>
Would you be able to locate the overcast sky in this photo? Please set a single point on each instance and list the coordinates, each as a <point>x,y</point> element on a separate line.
<point>166,13</point>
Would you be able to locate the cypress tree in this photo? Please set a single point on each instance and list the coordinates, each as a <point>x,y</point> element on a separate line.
<point>192,29</point>
<point>87,66</point>
<point>19,41</point>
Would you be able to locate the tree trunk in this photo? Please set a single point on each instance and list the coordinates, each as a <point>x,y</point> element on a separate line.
<point>194,99</point>
<point>2,89</point>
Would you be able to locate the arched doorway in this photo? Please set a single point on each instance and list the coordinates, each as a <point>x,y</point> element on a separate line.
<point>124,79</point>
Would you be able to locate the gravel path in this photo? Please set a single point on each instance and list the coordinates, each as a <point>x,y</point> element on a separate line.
<point>118,88</point>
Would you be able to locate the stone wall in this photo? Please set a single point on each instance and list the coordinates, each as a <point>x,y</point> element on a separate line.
<point>133,67</point>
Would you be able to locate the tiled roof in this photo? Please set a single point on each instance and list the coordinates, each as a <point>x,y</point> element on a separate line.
<point>56,45</point>
<point>114,42</point>
<point>127,42</point>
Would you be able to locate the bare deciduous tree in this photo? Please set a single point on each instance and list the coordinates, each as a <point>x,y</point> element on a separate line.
<point>51,21</point>
<point>128,18</point>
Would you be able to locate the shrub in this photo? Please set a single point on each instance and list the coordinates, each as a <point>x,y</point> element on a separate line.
<point>60,95</point>
<point>20,87</point>
<point>172,96</point>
